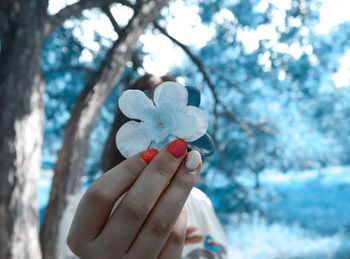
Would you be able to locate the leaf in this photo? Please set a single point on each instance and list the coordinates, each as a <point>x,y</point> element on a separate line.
<point>194,96</point>
<point>204,145</point>
<point>147,93</point>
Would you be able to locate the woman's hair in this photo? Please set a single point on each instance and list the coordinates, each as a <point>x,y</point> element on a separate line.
<point>111,155</point>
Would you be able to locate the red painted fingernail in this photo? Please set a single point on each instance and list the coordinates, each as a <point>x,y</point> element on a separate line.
<point>178,147</point>
<point>148,155</point>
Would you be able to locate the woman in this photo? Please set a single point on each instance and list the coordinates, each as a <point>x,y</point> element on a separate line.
<point>136,209</point>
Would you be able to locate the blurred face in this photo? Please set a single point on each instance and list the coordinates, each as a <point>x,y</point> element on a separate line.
<point>111,155</point>
<point>155,82</point>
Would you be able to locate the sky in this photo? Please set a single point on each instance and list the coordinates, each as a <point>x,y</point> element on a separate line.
<point>164,54</point>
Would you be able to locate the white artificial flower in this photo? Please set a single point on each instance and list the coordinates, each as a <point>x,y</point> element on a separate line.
<point>165,118</point>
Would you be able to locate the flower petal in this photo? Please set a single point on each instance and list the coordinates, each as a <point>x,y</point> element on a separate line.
<point>191,123</point>
<point>171,94</point>
<point>204,145</point>
<point>194,96</point>
<point>133,137</point>
<point>162,144</point>
<point>135,104</point>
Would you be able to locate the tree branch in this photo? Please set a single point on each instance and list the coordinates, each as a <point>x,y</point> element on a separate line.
<point>227,80</point>
<point>194,59</point>
<point>83,68</point>
<point>56,20</point>
<point>244,125</point>
<point>107,11</point>
<point>70,165</point>
<point>263,128</point>
<point>206,77</point>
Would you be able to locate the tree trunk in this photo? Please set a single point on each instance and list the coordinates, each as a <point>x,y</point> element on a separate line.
<point>70,166</point>
<point>21,117</point>
<point>257,180</point>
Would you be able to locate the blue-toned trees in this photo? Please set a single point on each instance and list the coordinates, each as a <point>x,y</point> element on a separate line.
<point>24,27</point>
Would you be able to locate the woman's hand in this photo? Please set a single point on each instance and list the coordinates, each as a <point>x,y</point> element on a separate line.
<point>149,222</point>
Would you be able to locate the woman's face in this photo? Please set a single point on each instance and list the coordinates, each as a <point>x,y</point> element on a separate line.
<point>111,155</point>
<point>155,81</point>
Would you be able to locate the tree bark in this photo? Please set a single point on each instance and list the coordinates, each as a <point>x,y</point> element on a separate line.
<point>21,117</point>
<point>70,166</point>
<point>75,9</point>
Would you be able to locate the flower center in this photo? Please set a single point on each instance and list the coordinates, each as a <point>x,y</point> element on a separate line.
<point>162,124</point>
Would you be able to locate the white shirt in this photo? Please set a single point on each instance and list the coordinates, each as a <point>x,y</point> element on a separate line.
<point>200,214</point>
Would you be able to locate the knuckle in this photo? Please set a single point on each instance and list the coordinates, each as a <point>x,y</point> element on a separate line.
<point>183,218</point>
<point>134,210</point>
<point>177,237</point>
<point>98,193</point>
<point>159,227</point>
<point>184,183</point>
<point>131,169</point>
<point>163,168</point>
<point>74,244</point>
<point>184,212</point>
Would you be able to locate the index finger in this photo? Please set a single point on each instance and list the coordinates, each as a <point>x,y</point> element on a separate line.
<point>97,203</point>
<point>133,210</point>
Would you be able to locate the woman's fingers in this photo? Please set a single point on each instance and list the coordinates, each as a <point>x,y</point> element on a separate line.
<point>144,218</point>
<point>159,223</point>
<point>191,239</point>
<point>133,210</point>
<point>96,205</point>
<point>174,245</point>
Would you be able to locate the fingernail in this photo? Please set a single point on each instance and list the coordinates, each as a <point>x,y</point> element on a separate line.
<point>193,160</point>
<point>148,155</point>
<point>178,147</point>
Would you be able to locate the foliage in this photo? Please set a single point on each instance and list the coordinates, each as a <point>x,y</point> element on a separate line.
<point>275,75</point>
<point>283,83</point>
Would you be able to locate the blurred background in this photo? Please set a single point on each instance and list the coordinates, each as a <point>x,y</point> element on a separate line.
<point>274,76</point>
